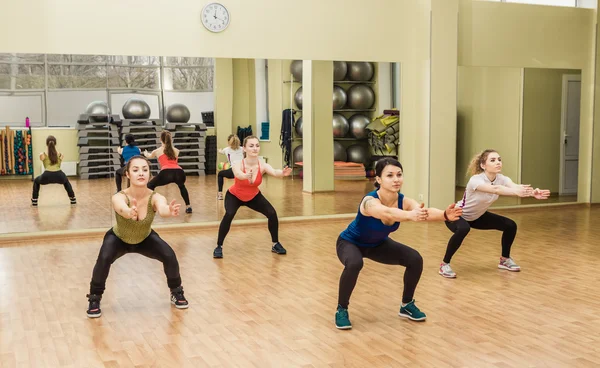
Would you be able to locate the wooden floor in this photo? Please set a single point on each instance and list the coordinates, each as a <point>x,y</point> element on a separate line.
<point>257,309</point>
<point>93,209</point>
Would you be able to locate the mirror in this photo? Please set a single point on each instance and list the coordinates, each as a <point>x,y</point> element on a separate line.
<point>90,103</point>
<point>531,116</point>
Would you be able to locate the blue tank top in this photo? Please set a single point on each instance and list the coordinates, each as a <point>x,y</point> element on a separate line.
<point>129,152</point>
<point>367,231</point>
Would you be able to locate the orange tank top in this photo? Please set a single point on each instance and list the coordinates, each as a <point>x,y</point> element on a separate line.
<point>243,189</point>
<point>167,163</point>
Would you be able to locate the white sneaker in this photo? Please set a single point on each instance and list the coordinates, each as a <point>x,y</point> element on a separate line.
<point>508,264</point>
<point>446,271</point>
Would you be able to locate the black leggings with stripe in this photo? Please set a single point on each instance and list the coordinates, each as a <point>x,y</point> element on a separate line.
<point>258,204</point>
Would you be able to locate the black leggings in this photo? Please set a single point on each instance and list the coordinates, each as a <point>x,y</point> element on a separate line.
<point>168,176</point>
<point>258,204</point>
<point>487,221</point>
<point>152,247</point>
<point>224,174</point>
<point>119,177</point>
<point>52,177</point>
<point>389,252</point>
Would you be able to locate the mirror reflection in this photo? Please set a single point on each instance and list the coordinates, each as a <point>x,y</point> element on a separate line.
<point>189,116</point>
<point>530,116</point>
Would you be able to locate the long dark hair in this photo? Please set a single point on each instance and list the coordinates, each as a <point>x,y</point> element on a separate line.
<point>166,138</point>
<point>52,153</point>
<point>382,163</point>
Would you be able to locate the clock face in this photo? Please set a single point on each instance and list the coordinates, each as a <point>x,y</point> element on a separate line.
<point>215,17</point>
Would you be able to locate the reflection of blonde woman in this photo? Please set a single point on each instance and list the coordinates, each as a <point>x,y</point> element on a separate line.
<point>234,154</point>
<point>52,173</point>
<point>170,171</point>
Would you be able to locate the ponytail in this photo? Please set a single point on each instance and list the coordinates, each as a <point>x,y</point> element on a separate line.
<point>166,138</point>
<point>52,153</point>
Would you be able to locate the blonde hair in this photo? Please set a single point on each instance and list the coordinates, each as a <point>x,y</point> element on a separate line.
<point>478,160</point>
<point>234,142</point>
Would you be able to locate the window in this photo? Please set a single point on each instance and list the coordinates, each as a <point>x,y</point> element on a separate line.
<point>189,74</point>
<point>22,71</point>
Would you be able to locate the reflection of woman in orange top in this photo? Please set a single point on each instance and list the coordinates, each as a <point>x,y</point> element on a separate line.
<point>170,171</point>
<point>244,192</point>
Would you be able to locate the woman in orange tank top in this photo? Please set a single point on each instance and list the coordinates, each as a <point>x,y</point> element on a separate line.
<point>170,171</point>
<point>244,192</point>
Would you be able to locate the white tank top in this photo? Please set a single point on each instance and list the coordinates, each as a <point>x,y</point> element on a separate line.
<point>474,203</point>
<point>234,156</point>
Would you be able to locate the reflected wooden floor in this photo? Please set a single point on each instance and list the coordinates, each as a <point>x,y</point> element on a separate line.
<point>256,309</point>
<point>93,209</point>
<point>504,201</point>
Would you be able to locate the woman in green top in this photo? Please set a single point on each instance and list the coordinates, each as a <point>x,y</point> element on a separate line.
<point>52,173</point>
<point>133,234</point>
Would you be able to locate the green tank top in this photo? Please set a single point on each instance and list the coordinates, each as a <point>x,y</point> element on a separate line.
<point>48,166</point>
<point>132,231</point>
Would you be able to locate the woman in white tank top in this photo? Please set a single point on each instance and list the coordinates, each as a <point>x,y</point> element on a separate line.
<point>483,189</point>
<point>235,154</point>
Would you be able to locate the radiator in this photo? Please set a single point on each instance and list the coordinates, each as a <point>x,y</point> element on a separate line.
<point>68,167</point>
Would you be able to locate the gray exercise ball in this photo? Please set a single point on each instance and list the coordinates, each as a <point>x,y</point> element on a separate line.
<point>98,108</point>
<point>339,152</point>
<point>296,70</point>
<point>360,97</point>
<point>358,123</point>
<point>340,68</point>
<point>298,98</point>
<point>297,154</point>
<point>299,127</point>
<point>136,108</point>
<point>178,113</point>
<point>339,98</point>
<point>340,125</point>
<point>360,71</point>
<point>358,153</point>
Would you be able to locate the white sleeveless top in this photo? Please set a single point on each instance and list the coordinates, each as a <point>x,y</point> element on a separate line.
<point>474,203</point>
<point>234,156</point>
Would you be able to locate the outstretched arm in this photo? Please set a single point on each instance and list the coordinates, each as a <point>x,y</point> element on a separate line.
<point>119,202</point>
<point>536,193</point>
<point>163,208</point>
<point>373,207</point>
<point>452,213</point>
<point>510,189</point>
<point>277,173</point>
<point>150,155</point>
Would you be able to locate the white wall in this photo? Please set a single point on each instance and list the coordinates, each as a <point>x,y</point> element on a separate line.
<point>196,102</point>
<point>384,86</point>
<point>14,109</point>
<point>260,84</point>
<point>64,107</point>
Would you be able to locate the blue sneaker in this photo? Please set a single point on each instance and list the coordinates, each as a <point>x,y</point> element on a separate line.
<point>342,320</point>
<point>412,312</point>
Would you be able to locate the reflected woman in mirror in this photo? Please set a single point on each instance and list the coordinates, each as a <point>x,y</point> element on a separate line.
<point>379,214</point>
<point>127,152</point>
<point>483,189</point>
<point>170,171</point>
<point>135,208</point>
<point>235,154</point>
<point>244,192</point>
<point>52,173</point>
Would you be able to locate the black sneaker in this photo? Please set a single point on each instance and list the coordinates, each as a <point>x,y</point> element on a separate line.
<point>278,248</point>
<point>34,202</point>
<point>73,200</point>
<point>94,307</point>
<point>218,252</point>
<point>177,298</point>
<point>188,210</point>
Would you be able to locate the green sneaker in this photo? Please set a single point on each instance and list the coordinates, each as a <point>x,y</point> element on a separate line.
<point>342,321</point>
<point>411,311</point>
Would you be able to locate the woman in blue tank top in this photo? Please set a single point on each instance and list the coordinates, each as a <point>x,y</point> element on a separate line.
<point>380,213</point>
<point>127,152</point>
